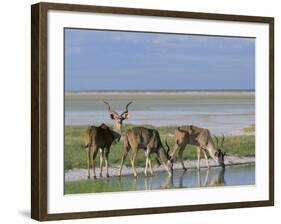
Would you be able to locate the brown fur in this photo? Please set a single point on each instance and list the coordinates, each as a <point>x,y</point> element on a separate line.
<point>96,138</point>
<point>200,137</point>
<point>101,138</point>
<point>149,140</point>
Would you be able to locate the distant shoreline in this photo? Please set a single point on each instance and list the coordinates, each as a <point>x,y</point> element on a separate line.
<point>155,92</point>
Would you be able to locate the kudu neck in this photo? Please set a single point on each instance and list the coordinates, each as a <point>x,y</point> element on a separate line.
<point>115,133</point>
<point>211,149</point>
<point>117,127</point>
<point>117,130</point>
<point>164,159</point>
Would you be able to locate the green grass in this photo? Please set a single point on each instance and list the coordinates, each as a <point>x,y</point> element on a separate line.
<point>75,155</point>
<point>250,128</point>
<point>102,185</point>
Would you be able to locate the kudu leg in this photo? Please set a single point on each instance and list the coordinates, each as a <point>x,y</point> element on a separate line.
<point>206,159</point>
<point>133,159</point>
<point>146,165</point>
<point>88,155</point>
<point>175,150</point>
<point>181,159</point>
<point>198,157</point>
<point>95,152</point>
<point>101,161</point>
<point>151,169</point>
<point>122,161</point>
<point>106,153</point>
<point>147,154</point>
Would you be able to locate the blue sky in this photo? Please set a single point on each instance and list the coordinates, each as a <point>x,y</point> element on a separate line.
<point>113,60</point>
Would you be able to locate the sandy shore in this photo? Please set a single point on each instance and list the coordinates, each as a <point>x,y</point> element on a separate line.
<point>222,112</point>
<point>81,174</point>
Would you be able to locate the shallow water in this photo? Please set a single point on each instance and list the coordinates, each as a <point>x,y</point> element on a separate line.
<point>221,112</point>
<point>231,176</point>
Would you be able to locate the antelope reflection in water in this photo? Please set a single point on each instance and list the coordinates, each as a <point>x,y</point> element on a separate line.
<point>147,183</point>
<point>216,180</point>
<point>180,179</point>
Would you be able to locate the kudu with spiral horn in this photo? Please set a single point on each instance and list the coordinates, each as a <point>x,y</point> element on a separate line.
<point>101,138</point>
<point>118,118</point>
<point>149,140</point>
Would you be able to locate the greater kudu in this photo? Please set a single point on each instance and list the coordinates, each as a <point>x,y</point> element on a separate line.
<point>201,138</point>
<point>149,140</point>
<point>101,137</point>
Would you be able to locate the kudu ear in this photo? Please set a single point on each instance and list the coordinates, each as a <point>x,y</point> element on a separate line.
<point>125,115</point>
<point>113,116</point>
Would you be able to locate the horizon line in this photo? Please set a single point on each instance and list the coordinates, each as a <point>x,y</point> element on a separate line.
<point>162,90</point>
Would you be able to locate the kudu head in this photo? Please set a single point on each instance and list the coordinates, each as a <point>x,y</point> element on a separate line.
<point>165,158</point>
<point>118,118</point>
<point>219,154</point>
